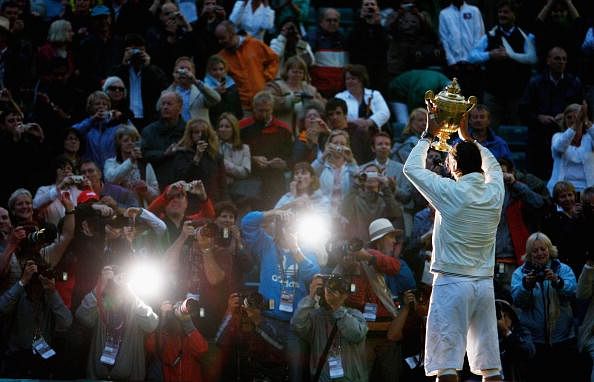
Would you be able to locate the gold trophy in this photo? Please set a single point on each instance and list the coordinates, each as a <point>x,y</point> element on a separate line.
<point>450,106</point>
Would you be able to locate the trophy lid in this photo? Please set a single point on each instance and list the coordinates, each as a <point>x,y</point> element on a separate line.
<point>450,98</point>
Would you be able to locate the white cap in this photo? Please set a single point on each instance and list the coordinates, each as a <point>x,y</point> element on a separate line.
<point>380,228</point>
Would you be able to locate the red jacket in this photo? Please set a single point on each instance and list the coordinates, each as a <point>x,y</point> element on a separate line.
<point>190,347</point>
<point>158,205</point>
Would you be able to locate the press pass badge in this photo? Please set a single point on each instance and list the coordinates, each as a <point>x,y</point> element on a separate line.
<point>271,304</point>
<point>370,312</point>
<point>335,366</point>
<point>286,301</point>
<point>43,349</point>
<point>110,352</point>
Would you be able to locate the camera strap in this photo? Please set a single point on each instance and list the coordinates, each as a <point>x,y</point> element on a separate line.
<point>324,356</point>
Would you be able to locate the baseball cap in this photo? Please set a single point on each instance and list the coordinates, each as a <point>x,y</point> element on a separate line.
<point>87,196</point>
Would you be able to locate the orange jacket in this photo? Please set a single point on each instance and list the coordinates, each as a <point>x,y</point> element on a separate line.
<point>251,65</point>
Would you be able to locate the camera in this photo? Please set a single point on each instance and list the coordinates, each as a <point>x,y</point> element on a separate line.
<point>335,282</point>
<point>339,249</point>
<point>189,306</point>
<point>182,72</point>
<point>539,271</point>
<point>305,96</point>
<point>135,52</point>
<point>251,299</point>
<point>364,176</point>
<point>107,116</point>
<point>222,236</point>
<point>44,269</point>
<point>40,236</point>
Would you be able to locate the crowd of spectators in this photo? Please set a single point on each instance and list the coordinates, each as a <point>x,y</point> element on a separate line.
<point>253,151</point>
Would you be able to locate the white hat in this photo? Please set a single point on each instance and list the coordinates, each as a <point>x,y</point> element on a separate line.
<point>380,228</point>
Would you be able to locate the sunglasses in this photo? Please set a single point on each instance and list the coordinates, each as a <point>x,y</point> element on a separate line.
<point>116,88</point>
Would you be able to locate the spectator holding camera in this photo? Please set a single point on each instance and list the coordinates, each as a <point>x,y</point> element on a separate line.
<point>292,91</point>
<point>47,198</point>
<point>118,95</point>
<point>371,197</point>
<point>336,168</point>
<point>99,128</point>
<point>290,44</point>
<point>304,190</point>
<point>129,169</point>
<point>144,80</point>
<point>121,197</point>
<point>177,345</point>
<point>334,332</point>
<point>312,133</point>
<point>34,314</point>
<point>119,322</point>
<point>566,227</point>
<point>253,343</point>
<point>217,78</point>
<point>170,39</point>
<point>196,95</point>
<point>542,288</point>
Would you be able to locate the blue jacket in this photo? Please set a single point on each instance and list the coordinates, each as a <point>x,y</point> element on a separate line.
<point>298,276</point>
<point>532,304</point>
<point>100,139</point>
<point>402,281</point>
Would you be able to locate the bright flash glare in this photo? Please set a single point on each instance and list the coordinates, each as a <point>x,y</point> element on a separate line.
<point>313,230</point>
<point>145,279</point>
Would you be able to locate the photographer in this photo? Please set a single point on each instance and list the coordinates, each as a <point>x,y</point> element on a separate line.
<point>289,43</point>
<point>119,322</point>
<point>335,332</point>
<point>47,198</point>
<point>32,313</point>
<point>197,97</point>
<point>99,128</point>
<point>21,145</point>
<point>371,197</point>
<point>367,269</point>
<point>252,343</point>
<point>285,270</point>
<point>181,201</point>
<point>177,344</point>
<point>542,288</point>
<point>143,80</point>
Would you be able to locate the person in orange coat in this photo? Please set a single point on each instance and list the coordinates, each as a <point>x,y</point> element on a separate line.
<point>177,344</point>
<point>251,62</point>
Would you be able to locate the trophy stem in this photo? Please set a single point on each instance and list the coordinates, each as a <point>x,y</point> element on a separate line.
<point>442,144</point>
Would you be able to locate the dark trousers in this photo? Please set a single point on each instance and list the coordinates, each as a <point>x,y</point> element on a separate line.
<point>554,362</point>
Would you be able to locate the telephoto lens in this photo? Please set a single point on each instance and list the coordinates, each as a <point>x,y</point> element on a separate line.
<point>189,307</point>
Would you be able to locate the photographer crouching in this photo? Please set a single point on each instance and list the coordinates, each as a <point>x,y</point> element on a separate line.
<point>335,333</point>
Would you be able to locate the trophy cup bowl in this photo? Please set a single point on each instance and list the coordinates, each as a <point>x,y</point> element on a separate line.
<point>450,107</point>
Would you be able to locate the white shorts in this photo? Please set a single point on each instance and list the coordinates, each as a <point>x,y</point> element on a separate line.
<point>461,319</point>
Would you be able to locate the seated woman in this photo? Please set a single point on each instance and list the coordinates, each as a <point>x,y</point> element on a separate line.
<point>196,157</point>
<point>336,167</point>
<point>542,288</point>
<point>417,120</point>
<point>128,169</point>
<point>116,90</point>
<point>313,133</point>
<point>196,96</point>
<point>218,79</point>
<point>236,156</point>
<point>292,91</point>
<point>366,108</point>
<point>304,189</point>
<point>573,149</point>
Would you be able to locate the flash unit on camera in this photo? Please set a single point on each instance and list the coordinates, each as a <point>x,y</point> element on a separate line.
<point>202,314</point>
<point>353,288</point>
